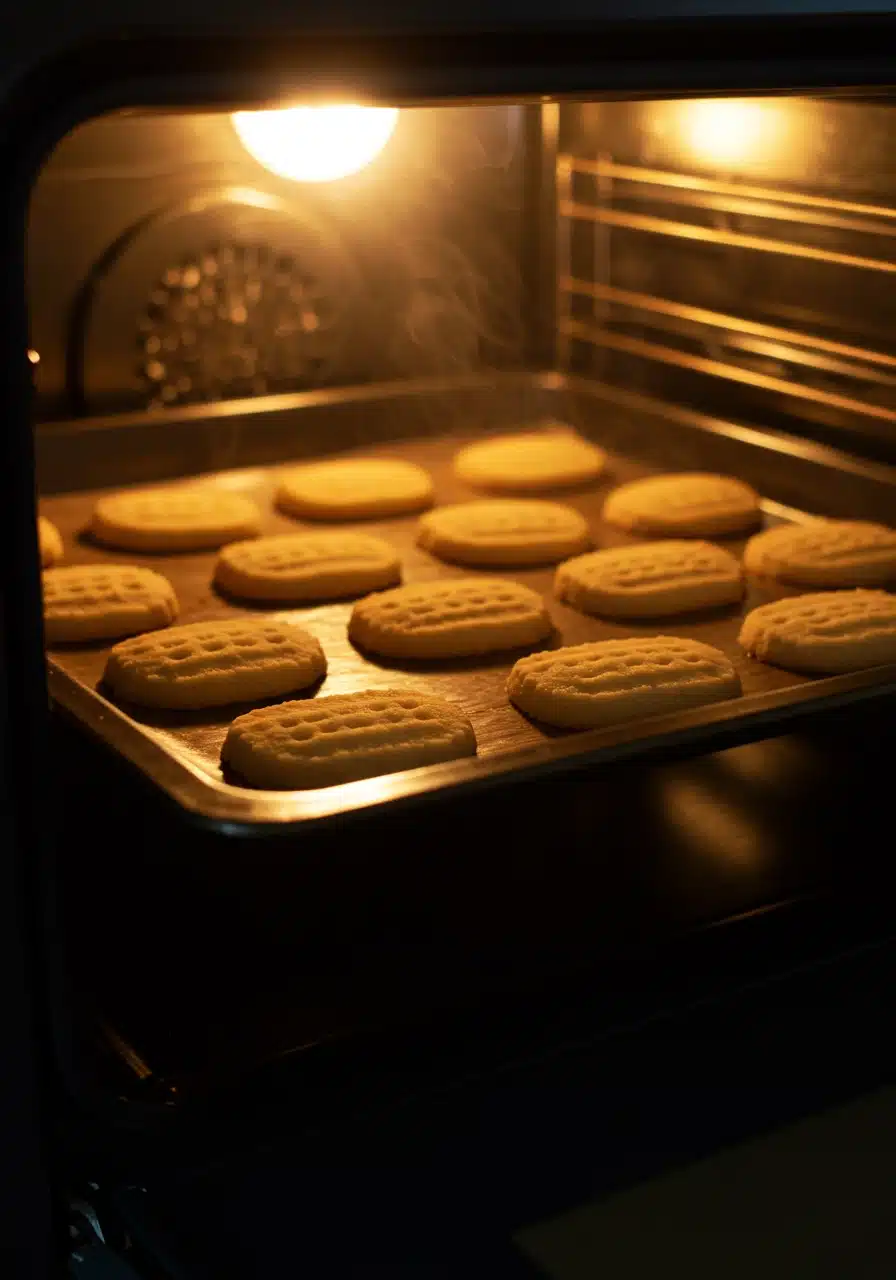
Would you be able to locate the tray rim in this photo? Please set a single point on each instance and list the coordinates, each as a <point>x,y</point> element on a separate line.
<point>237,810</point>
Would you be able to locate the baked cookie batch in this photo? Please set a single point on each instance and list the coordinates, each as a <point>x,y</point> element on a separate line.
<point>847,622</point>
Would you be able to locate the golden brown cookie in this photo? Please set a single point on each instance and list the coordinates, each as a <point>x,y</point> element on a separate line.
<point>650,580</point>
<point>610,681</point>
<point>824,553</point>
<point>824,633</point>
<point>184,518</point>
<point>450,618</point>
<point>104,602</point>
<point>326,741</point>
<point>50,541</point>
<point>688,504</point>
<point>354,489</point>
<point>553,457</point>
<point>302,567</point>
<point>210,664</point>
<point>503,531</point>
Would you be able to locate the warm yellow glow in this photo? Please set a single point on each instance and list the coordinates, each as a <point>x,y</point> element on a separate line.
<point>315,144</point>
<point>729,131</point>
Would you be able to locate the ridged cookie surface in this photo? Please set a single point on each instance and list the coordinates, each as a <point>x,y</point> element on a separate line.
<point>689,503</point>
<point>551,458</point>
<point>650,580</point>
<point>504,531</point>
<point>326,741</point>
<point>104,602</point>
<point>307,566</point>
<point>451,618</point>
<point>354,489</point>
<point>210,664</point>
<point>825,553</point>
<point>177,519</point>
<point>609,681</point>
<point>824,633</point>
<point>50,542</point>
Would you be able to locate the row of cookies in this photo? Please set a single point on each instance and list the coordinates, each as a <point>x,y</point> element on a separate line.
<point>327,740</point>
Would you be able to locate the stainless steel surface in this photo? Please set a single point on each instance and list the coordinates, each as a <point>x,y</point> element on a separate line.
<point>180,751</point>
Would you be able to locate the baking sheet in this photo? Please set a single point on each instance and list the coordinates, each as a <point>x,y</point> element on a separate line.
<point>181,749</point>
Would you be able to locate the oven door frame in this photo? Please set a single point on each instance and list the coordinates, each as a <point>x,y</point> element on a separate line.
<point>40,105</point>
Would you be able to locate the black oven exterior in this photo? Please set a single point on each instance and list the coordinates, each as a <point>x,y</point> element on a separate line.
<point>47,89</point>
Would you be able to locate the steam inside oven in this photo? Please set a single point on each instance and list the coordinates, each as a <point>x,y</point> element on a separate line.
<point>190,273</point>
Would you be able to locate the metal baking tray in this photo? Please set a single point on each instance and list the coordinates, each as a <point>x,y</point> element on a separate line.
<point>239,446</point>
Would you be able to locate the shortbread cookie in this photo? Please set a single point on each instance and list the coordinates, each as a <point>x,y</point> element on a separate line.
<point>688,504</point>
<point>452,618</point>
<point>824,633</point>
<point>824,553</point>
<point>210,664</point>
<point>301,567</point>
<point>50,540</point>
<point>354,489</point>
<point>609,681</point>
<point>551,458</point>
<point>504,531</point>
<point>105,602</point>
<point>650,580</point>
<point>325,741</point>
<point>186,518</point>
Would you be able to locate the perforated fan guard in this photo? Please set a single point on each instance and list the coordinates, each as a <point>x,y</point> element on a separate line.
<point>234,294</point>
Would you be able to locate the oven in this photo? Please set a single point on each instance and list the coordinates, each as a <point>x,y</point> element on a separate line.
<point>388,1022</point>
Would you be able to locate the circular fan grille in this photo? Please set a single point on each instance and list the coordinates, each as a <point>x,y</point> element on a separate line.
<point>234,320</point>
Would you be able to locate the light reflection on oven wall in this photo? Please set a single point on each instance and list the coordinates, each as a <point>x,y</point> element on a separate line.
<point>408,264</point>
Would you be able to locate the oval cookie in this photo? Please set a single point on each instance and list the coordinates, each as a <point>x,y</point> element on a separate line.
<point>302,567</point>
<point>50,542</point>
<point>824,553</point>
<point>555,458</point>
<point>824,633</point>
<point>209,664</point>
<point>177,519</point>
<point>650,580</point>
<point>609,681</point>
<point>452,618</point>
<point>354,489</point>
<point>105,602</point>
<point>689,504</point>
<point>325,741</point>
<point>503,531</point>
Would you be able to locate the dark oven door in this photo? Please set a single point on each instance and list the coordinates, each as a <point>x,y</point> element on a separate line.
<point>433,1147</point>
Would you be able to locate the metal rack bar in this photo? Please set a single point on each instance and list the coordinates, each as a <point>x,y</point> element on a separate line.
<point>733,239</point>
<point>719,320</point>
<point>715,368</point>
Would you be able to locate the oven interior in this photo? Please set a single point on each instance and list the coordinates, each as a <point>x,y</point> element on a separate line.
<point>695,284</point>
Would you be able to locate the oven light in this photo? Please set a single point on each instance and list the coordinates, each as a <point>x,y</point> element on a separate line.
<point>315,144</point>
<point>728,131</point>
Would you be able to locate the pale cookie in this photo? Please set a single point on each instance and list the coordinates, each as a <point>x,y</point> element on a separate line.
<point>552,458</point>
<point>503,531</point>
<point>354,489</point>
<point>209,664</point>
<point>650,580</point>
<point>824,553</point>
<point>50,541</point>
<point>105,602</point>
<point>688,504</point>
<point>326,741</point>
<point>452,618</point>
<point>301,567</point>
<point>178,519</point>
<point>824,633</point>
<point>609,681</point>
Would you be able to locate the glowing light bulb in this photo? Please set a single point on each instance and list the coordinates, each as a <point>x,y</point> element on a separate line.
<point>315,144</point>
<point>727,130</point>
